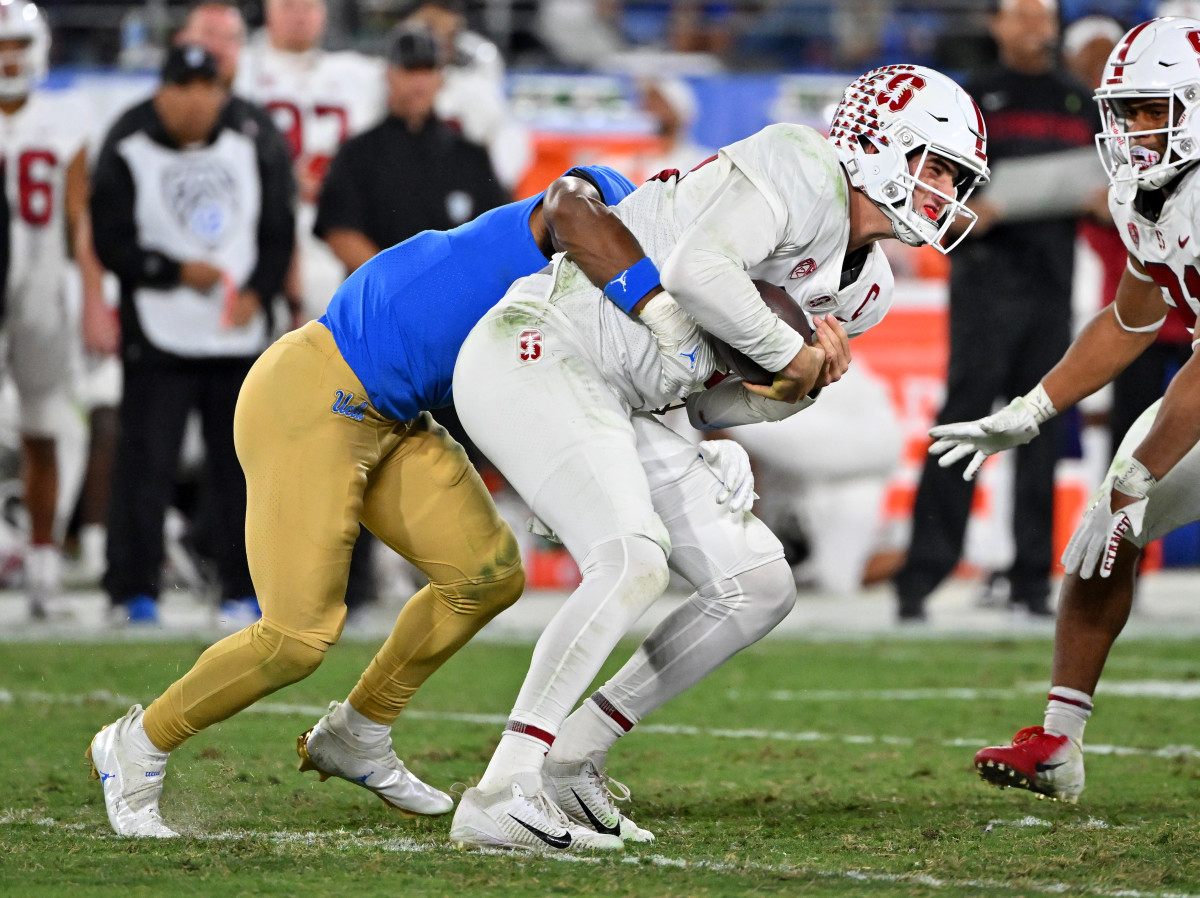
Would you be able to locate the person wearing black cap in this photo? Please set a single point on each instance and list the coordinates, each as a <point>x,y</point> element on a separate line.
<point>192,203</point>
<point>410,173</point>
<point>473,95</point>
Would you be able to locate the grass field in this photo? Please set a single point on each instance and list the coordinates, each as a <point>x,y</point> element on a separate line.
<point>799,768</point>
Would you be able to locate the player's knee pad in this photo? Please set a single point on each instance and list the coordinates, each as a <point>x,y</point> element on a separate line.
<point>760,597</point>
<point>634,568</point>
<point>286,658</point>
<point>488,596</point>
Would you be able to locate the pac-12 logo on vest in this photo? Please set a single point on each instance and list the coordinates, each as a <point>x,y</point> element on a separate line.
<point>529,344</point>
<point>202,195</point>
<point>343,404</point>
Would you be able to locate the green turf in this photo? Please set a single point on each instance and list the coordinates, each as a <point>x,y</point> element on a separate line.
<point>788,782</point>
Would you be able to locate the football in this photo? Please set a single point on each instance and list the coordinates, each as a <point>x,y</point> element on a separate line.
<point>783,306</point>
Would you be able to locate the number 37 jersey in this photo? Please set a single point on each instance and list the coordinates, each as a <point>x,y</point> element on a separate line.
<point>318,99</point>
<point>1168,247</point>
<point>39,142</point>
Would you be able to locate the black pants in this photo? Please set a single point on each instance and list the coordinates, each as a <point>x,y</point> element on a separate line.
<point>158,395</point>
<point>1139,385</point>
<point>1002,341</point>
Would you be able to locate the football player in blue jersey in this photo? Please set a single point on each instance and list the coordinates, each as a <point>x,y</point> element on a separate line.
<point>333,429</point>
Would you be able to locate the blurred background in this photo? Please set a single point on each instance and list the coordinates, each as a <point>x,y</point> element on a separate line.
<point>642,85</point>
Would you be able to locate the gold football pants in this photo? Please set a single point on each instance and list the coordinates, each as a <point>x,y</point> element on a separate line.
<point>319,459</point>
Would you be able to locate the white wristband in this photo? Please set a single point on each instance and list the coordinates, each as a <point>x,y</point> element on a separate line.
<point>1134,480</point>
<point>667,321</point>
<point>1040,404</point>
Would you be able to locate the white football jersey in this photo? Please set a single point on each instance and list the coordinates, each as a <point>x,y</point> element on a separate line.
<point>38,143</point>
<point>791,169</point>
<point>473,98</point>
<point>318,99</point>
<point>1169,248</point>
<point>795,168</point>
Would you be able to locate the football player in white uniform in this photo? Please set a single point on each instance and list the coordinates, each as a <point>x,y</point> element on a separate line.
<point>553,382</point>
<point>319,99</point>
<point>472,94</point>
<point>43,137</point>
<point>1150,104</point>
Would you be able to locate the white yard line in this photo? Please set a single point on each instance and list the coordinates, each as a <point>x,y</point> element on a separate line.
<point>1183,690</point>
<point>103,697</point>
<point>357,840</point>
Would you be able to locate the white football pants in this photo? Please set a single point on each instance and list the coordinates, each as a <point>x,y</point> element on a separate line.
<point>620,497</point>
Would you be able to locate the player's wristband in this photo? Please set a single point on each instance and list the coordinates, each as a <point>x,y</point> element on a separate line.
<point>628,287</point>
<point>1039,403</point>
<point>1134,480</point>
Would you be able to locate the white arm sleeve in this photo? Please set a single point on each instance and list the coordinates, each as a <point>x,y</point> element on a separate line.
<point>707,272</point>
<point>729,404</point>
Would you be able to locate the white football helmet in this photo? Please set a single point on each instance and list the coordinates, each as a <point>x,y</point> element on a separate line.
<point>1159,59</point>
<point>888,122</point>
<point>22,21</point>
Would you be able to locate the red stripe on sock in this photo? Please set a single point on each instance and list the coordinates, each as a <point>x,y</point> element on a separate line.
<point>1087,706</point>
<point>528,729</point>
<point>610,710</point>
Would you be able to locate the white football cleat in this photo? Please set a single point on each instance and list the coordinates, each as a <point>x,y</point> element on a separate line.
<point>589,797</point>
<point>131,779</point>
<point>376,768</point>
<point>521,815</point>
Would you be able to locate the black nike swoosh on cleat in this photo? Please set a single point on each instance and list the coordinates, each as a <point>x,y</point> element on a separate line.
<point>563,841</point>
<point>1042,768</point>
<point>594,820</point>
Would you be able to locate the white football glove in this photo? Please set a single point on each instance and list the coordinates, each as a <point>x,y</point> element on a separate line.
<point>1014,425</point>
<point>688,359</point>
<point>1099,534</point>
<point>731,465</point>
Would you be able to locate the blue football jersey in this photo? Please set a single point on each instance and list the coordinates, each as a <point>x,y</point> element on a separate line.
<point>400,319</point>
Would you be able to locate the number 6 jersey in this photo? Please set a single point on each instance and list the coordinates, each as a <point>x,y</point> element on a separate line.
<point>39,142</point>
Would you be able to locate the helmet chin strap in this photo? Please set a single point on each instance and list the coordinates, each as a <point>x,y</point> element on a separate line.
<point>906,235</point>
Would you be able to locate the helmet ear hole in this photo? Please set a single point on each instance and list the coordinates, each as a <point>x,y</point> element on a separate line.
<point>888,119</point>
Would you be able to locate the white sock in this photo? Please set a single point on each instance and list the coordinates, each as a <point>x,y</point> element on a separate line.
<point>137,735</point>
<point>43,565</point>
<point>517,753</point>
<point>355,728</point>
<point>587,730</point>
<point>1067,713</point>
<point>93,543</point>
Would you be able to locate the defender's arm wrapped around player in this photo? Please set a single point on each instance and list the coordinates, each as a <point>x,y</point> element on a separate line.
<point>728,303</point>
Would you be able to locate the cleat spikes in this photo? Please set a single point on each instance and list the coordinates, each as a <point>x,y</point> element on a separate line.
<point>1050,766</point>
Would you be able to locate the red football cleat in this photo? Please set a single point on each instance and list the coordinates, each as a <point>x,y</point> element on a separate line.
<point>1048,765</point>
